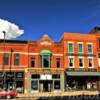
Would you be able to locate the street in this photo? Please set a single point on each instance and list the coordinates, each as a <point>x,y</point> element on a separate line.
<point>81,97</point>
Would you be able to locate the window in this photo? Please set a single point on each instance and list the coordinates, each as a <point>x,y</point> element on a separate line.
<point>58,62</point>
<point>56,76</point>
<point>71,61</point>
<point>45,56</point>
<point>90,62</point>
<point>98,55</point>
<point>99,42</point>
<point>6,59</point>
<point>80,62</point>
<point>16,59</point>
<point>57,84</point>
<point>45,61</point>
<point>34,85</point>
<point>35,76</point>
<point>32,62</point>
<point>89,48</point>
<point>80,48</point>
<point>70,48</point>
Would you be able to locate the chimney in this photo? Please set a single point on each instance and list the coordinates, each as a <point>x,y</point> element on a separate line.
<point>96,29</point>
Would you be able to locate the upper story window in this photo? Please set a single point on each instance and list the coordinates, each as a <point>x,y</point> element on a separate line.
<point>45,58</point>
<point>16,59</point>
<point>81,62</point>
<point>98,55</point>
<point>90,62</point>
<point>71,62</point>
<point>98,42</point>
<point>6,59</point>
<point>58,62</point>
<point>32,62</point>
<point>70,47</point>
<point>90,48</point>
<point>80,48</point>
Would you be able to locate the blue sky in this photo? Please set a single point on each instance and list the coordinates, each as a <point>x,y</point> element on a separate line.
<point>52,17</point>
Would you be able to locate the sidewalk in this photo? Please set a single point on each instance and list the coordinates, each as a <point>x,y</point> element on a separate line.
<point>51,94</point>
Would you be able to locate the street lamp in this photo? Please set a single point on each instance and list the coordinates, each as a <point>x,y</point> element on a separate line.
<point>4,33</point>
<point>11,51</point>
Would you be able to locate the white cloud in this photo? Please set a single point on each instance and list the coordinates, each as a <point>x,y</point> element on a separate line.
<point>12,30</point>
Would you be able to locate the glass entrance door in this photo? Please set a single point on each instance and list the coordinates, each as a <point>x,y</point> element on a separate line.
<point>45,85</point>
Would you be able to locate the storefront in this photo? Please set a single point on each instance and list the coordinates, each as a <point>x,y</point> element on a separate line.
<point>82,80</point>
<point>14,80</point>
<point>46,82</point>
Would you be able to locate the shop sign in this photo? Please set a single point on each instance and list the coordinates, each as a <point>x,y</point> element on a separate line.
<point>9,74</point>
<point>19,74</point>
<point>46,77</point>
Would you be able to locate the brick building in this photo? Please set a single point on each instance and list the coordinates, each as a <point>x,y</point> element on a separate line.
<point>46,65</point>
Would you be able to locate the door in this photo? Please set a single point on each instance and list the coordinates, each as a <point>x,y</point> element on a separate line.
<point>46,85</point>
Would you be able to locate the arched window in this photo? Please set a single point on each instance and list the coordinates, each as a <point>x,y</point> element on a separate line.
<point>45,58</point>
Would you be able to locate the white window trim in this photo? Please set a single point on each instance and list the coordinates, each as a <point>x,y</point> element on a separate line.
<point>92,62</point>
<point>82,47</point>
<point>68,61</point>
<point>83,62</point>
<point>68,46</point>
<point>92,47</point>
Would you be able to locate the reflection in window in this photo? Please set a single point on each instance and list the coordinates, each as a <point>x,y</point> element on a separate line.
<point>6,58</point>
<point>89,48</point>
<point>90,62</point>
<point>34,85</point>
<point>80,62</point>
<point>32,62</point>
<point>80,47</point>
<point>57,84</point>
<point>45,61</point>
<point>58,62</point>
<point>16,59</point>
<point>71,62</point>
<point>70,46</point>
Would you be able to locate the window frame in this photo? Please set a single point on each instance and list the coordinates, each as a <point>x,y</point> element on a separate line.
<point>82,47</point>
<point>91,48</point>
<point>83,62</point>
<point>6,58</point>
<point>58,59</point>
<point>17,59</point>
<point>92,62</point>
<point>31,61</point>
<point>43,61</point>
<point>69,47</point>
<point>69,61</point>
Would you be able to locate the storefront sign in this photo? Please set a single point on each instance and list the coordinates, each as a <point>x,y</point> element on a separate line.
<point>19,74</point>
<point>46,77</point>
<point>9,74</point>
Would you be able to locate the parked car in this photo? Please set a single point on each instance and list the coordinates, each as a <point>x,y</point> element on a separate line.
<point>7,94</point>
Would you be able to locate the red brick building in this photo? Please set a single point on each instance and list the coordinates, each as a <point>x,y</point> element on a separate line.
<point>46,65</point>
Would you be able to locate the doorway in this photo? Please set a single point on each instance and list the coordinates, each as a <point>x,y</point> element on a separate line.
<point>45,85</point>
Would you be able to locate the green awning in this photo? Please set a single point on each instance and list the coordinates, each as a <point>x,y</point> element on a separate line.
<point>43,52</point>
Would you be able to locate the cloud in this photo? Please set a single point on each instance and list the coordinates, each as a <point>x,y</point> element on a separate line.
<point>11,30</point>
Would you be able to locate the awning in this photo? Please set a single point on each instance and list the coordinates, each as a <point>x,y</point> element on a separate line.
<point>43,52</point>
<point>83,73</point>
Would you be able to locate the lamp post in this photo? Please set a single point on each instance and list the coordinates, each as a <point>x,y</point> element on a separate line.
<point>11,51</point>
<point>4,33</point>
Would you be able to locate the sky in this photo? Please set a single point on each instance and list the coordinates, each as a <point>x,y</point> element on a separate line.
<point>52,17</point>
